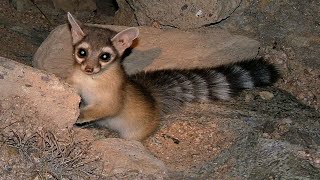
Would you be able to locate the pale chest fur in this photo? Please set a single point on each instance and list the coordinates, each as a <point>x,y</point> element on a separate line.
<point>94,88</point>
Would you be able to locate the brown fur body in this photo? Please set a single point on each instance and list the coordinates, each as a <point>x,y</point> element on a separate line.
<point>132,105</point>
<point>113,101</point>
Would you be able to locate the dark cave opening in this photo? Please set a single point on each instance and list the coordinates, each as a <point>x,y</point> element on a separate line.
<point>108,7</point>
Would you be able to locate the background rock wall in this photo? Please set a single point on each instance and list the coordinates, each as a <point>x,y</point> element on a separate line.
<point>181,14</point>
<point>287,23</point>
<point>290,23</point>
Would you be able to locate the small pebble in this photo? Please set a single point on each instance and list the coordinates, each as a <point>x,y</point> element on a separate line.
<point>286,121</point>
<point>249,98</point>
<point>266,95</point>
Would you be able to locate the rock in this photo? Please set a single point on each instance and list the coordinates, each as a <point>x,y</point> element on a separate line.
<point>266,95</point>
<point>264,159</point>
<point>300,41</point>
<point>123,157</point>
<point>155,49</point>
<point>191,138</point>
<point>258,139</point>
<point>39,99</point>
<point>75,5</point>
<point>33,34</point>
<point>180,14</point>
<point>289,23</point>
<point>124,15</point>
<point>22,5</point>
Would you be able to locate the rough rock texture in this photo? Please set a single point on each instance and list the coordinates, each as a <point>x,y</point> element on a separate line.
<point>22,5</point>
<point>289,23</point>
<point>249,137</point>
<point>124,16</point>
<point>291,28</point>
<point>29,93</point>
<point>280,141</point>
<point>123,158</point>
<point>75,5</point>
<point>180,14</point>
<point>38,139</point>
<point>274,23</point>
<point>155,49</point>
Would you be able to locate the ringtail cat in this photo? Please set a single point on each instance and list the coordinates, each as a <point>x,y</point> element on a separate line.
<point>132,105</point>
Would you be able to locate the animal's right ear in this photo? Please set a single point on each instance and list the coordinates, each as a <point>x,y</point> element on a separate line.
<point>76,31</point>
<point>124,39</point>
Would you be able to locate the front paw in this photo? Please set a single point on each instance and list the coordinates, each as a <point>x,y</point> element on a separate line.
<point>84,119</point>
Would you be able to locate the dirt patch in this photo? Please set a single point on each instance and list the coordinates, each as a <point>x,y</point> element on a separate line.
<point>190,138</point>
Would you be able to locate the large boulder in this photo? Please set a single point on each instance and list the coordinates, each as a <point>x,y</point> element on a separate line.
<point>22,5</point>
<point>155,49</point>
<point>253,136</point>
<point>75,5</point>
<point>180,14</point>
<point>288,23</point>
<point>35,98</point>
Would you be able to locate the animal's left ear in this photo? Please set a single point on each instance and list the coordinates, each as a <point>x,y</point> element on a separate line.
<point>124,39</point>
<point>76,31</point>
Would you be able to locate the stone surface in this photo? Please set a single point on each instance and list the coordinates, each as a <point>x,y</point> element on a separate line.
<point>125,157</point>
<point>124,15</point>
<point>75,5</point>
<point>241,139</point>
<point>40,99</point>
<point>280,141</point>
<point>180,14</point>
<point>22,5</point>
<point>291,27</point>
<point>155,49</point>
<point>288,23</point>
<point>266,95</point>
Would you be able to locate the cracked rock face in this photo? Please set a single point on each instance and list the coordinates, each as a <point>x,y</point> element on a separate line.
<point>181,14</point>
<point>75,5</point>
<point>41,100</point>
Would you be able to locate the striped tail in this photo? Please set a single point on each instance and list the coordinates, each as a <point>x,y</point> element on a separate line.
<point>172,88</point>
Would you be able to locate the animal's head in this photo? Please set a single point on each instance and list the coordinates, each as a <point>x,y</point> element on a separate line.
<point>96,48</point>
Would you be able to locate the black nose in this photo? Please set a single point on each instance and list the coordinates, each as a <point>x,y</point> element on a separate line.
<point>88,69</point>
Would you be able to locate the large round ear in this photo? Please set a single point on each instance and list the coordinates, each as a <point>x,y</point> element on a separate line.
<point>76,31</point>
<point>124,39</point>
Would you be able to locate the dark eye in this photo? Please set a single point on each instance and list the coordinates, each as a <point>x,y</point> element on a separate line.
<point>105,57</point>
<point>82,53</point>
